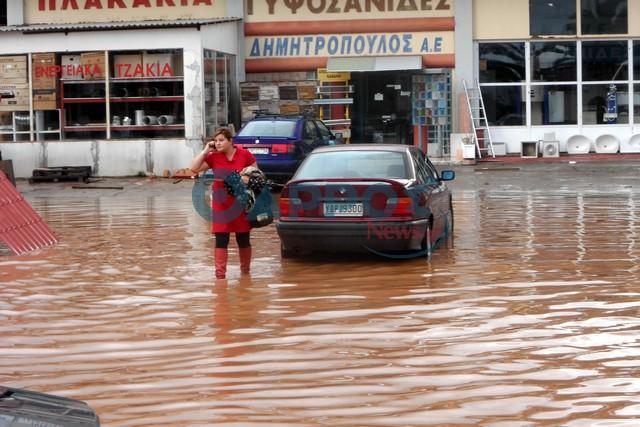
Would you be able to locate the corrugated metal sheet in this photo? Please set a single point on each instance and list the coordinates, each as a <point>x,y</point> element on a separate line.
<point>105,26</point>
<point>21,228</point>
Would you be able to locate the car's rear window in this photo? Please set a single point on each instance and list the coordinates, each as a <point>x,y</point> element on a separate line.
<point>351,164</point>
<point>265,128</point>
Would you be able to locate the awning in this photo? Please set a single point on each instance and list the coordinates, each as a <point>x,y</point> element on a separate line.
<point>374,63</point>
<point>125,25</point>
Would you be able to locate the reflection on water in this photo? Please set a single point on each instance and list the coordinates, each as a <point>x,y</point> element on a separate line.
<point>529,319</point>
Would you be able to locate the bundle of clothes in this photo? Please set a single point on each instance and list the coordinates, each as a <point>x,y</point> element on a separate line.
<point>246,194</point>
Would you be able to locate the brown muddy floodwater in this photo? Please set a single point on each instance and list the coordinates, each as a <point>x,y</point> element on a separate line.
<point>530,317</point>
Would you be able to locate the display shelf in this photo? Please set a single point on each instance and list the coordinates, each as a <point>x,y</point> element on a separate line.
<point>88,128</point>
<point>148,99</point>
<point>142,128</point>
<point>85,101</point>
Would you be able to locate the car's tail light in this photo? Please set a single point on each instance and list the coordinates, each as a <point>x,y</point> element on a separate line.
<point>381,205</point>
<point>290,207</point>
<point>402,206</point>
<point>282,148</point>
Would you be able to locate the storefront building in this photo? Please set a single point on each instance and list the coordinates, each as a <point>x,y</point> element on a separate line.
<point>566,71</point>
<point>132,86</point>
<point>563,70</point>
<point>128,87</point>
<point>377,71</point>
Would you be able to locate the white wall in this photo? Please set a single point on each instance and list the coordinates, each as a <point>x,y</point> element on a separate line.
<point>107,158</point>
<point>513,136</point>
<point>15,12</point>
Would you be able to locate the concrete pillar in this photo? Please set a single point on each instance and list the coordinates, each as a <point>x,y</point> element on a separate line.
<point>15,13</point>
<point>465,64</point>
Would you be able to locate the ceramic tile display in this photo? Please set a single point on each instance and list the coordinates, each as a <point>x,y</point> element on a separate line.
<point>431,107</point>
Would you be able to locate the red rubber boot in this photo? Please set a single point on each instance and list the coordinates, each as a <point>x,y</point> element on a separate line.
<point>245,260</point>
<point>221,255</point>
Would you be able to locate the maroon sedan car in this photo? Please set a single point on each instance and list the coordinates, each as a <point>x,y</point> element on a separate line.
<point>385,199</point>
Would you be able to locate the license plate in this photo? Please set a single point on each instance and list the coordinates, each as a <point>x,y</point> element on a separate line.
<point>343,209</point>
<point>258,150</point>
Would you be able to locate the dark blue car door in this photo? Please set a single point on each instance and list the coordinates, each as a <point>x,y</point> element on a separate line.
<point>432,189</point>
<point>310,138</point>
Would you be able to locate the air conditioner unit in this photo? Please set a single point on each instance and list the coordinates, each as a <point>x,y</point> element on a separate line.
<point>550,149</point>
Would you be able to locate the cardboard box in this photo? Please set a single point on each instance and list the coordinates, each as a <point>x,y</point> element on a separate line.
<point>71,67</point>
<point>14,97</point>
<point>5,120</point>
<point>289,107</point>
<point>306,91</point>
<point>162,64</point>
<point>13,60</point>
<point>45,99</point>
<point>45,105</point>
<point>44,73</point>
<point>125,66</point>
<point>13,69</point>
<point>50,83</point>
<point>93,65</point>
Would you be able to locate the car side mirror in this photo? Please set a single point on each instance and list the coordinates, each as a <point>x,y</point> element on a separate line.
<point>447,175</point>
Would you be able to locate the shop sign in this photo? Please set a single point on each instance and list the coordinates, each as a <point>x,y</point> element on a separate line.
<point>121,70</point>
<point>75,11</point>
<point>295,10</point>
<point>333,76</point>
<point>68,70</point>
<point>143,70</point>
<point>327,45</point>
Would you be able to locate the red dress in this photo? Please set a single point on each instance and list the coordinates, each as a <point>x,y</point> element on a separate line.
<point>228,215</point>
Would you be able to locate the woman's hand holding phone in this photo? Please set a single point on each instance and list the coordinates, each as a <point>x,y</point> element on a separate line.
<point>209,147</point>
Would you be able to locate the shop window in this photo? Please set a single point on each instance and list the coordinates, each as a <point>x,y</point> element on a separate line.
<point>557,17</point>
<point>636,103</point>
<point>146,93</point>
<point>554,105</point>
<point>553,61</point>
<point>504,105</point>
<point>502,62</point>
<point>636,60</point>
<point>15,122</point>
<point>604,16</point>
<point>218,82</point>
<point>3,13</point>
<point>604,61</point>
<point>70,94</point>
<point>605,104</point>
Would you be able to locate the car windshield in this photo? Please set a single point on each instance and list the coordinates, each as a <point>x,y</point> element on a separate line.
<point>351,164</point>
<point>281,128</point>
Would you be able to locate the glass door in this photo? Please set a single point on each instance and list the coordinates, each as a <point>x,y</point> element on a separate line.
<point>382,108</point>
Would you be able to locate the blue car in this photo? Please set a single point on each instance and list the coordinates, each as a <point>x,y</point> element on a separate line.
<point>280,142</point>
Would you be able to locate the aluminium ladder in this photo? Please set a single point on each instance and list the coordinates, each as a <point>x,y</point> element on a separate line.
<point>479,121</point>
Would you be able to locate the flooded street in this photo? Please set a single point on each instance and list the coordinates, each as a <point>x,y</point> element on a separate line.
<point>530,317</point>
